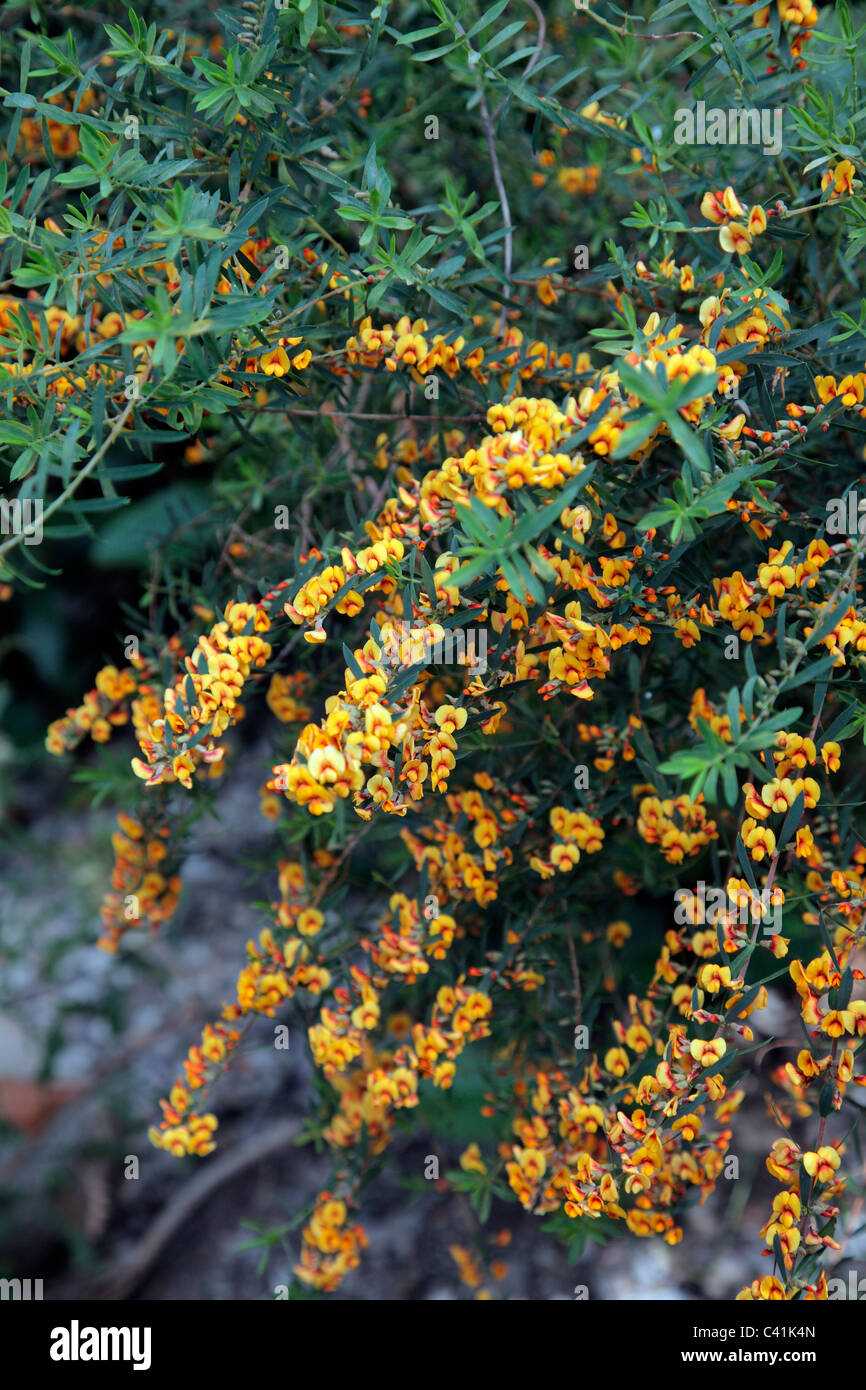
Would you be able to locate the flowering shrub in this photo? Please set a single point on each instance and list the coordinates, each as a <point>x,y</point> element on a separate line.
<point>531,517</point>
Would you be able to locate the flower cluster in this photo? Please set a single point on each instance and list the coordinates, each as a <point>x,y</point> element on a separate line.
<point>678,826</point>
<point>200,705</point>
<point>330,1247</point>
<point>142,892</point>
<point>102,709</point>
<point>739,225</point>
<point>184,1129</point>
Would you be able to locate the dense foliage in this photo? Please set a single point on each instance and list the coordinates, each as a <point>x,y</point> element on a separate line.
<point>489,444</point>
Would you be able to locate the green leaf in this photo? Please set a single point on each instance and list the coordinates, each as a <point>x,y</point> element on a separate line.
<point>792,820</point>
<point>128,540</point>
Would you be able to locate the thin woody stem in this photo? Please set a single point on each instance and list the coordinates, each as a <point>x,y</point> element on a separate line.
<point>85,472</point>
<point>575,974</point>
